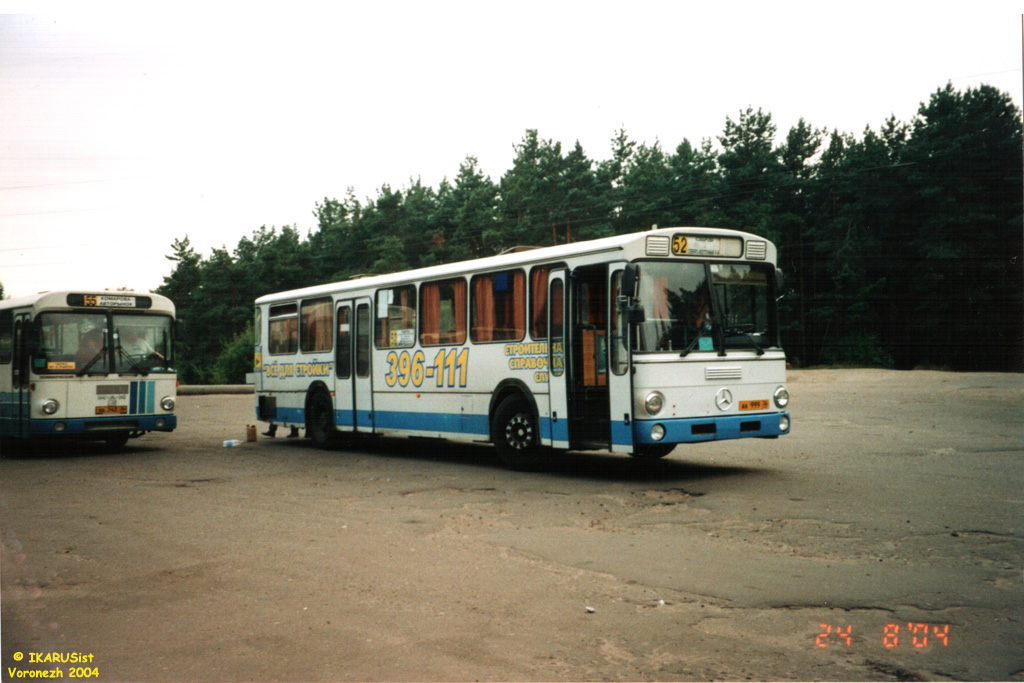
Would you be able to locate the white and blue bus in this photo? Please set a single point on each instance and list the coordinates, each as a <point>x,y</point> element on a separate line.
<point>631,344</point>
<point>87,364</point>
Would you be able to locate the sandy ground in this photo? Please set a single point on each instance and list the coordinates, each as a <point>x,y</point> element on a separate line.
<point>897,502</point>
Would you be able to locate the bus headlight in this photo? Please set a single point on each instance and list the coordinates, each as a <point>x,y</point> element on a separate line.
<point>654,403</point>
<point>781,397</point>
<point>658,432</point>
<point>783,424</point>
<point>50,406</point>
<point>167,403</point>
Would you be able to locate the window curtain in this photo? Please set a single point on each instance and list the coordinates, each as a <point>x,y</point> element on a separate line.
<point>539,302</point>
<point>519,304</point>
<point>430,313</point>
<point>483,309</point>
<point>460,311</point>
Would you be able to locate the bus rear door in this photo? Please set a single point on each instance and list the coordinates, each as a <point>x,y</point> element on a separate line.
<point>556,434</point>
<point>20,376</point>
<point>354,395</point>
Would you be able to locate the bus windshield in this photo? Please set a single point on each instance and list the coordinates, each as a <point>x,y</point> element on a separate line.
<point>681,314</point>
<point>82,343</point>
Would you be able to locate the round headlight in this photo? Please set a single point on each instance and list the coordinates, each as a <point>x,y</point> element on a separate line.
<point>59,426</point>
<point>781,397</point>
<point>658,432</point>
<point>783,424</point>
<point>167,403</point>
<point>50,406</point>
<point>654,403</point>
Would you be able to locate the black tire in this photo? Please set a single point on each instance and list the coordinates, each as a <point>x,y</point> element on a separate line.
<point>515,435</point>
<point>117,441</point>
<point>652,451</point>
<point>320,421</point>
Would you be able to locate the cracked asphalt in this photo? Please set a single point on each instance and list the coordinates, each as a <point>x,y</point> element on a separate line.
<point>882,540</point>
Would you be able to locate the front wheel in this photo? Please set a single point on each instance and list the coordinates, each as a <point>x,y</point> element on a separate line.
<point>652,451</point>
<point>320,421</point>
<point>514,432</point>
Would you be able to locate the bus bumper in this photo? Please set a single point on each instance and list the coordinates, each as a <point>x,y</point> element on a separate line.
<point>692,430</point>
<point>102,426</point>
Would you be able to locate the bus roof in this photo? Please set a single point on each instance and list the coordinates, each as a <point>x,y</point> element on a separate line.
<point>487,263</point>
<point>104,300</point>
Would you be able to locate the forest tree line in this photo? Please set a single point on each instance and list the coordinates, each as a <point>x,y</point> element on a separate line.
<point>902,247</point>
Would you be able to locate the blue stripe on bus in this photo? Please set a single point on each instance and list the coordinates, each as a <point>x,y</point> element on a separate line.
<point>476,425</point>
<point>133,397</point>
<point>622,434</point>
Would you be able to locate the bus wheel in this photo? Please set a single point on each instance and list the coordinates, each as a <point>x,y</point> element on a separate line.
<point>320,421</point>
<point>117,441</point>
<point>515,433</point>
<point>652,451</point>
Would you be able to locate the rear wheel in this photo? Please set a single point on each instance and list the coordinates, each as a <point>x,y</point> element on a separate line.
<point>320,421</point>
<point>514,432</point>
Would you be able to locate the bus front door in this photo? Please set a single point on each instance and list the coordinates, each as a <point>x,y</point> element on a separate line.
<point>354,395</point>
<point>620,377</point>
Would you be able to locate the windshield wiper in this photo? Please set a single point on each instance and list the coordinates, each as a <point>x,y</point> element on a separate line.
<point>750,338</point>
<point>126,356</point>
<point>690,346</point>
<point>88,366</point>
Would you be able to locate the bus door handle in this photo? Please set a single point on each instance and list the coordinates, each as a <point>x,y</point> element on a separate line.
<point>625,419</point>
<point>554,416</point>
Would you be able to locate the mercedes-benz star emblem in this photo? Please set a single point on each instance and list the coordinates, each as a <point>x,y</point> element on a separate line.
<point>723,399</point>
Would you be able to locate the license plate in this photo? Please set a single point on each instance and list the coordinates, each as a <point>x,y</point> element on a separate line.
<point>111,410</point>
<point>754,405</point>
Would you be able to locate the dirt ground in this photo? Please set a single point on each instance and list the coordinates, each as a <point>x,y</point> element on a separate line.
<point>882,540</point>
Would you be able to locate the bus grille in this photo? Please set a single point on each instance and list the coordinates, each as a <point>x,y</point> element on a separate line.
<point>657,245</point>
<point>720,374</point>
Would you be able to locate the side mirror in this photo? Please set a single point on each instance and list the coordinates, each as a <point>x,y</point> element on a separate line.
<point>629,280</point>
<point>636,314</point>
<point>780,280</point>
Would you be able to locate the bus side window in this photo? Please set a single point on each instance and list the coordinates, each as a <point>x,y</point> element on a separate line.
<point>284,329</point>
<point>443,312</point>
<point>315,325</point>
<point>499,307</point>
<point>539,302</point>
<point>6,336</point>
<point>396,317</point>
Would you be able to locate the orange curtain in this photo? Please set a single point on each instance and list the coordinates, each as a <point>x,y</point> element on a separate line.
<point>538,302</point>
<point>483,309</point>
<point>430,313</point>
<point>519,304</point>
<point>460,311</point>
<point>660,298</point>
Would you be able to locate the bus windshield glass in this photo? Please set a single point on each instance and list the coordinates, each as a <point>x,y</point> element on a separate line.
<point>744,305</point>
<point>679,314</point>
<point>82,343</point>
<point>143,343</point>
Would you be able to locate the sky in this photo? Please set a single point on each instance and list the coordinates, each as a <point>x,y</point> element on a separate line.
<point>122,131</point>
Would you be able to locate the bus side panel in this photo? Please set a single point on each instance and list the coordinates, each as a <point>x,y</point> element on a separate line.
<point>434,415</point>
